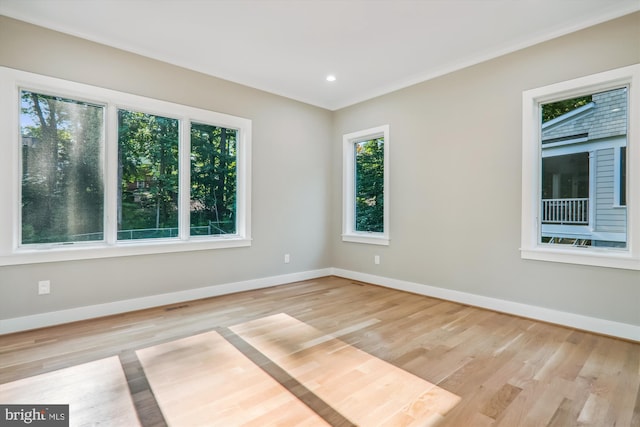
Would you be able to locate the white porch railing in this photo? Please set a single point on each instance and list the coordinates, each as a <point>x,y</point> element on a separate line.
<point>565,211</point>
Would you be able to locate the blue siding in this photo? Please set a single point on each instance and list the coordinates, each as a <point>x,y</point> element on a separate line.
<point>607,218</point>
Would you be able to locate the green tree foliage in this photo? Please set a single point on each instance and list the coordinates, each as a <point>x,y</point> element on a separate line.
<point>213,179</point>
<point>148,172</point>
<point>369,185</point>
<point>555,109</point>
<point>62,189</point>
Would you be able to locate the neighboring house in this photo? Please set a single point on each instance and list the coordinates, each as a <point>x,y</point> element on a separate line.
<point>583,174</point>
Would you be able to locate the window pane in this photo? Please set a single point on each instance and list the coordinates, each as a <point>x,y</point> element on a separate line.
<point>578,203</point>
<point>213,180</point>
<point>62,185</point>
<point>369,185</point>
<point>623,176</point>
<point>565,176</point>
<point>148,176</point>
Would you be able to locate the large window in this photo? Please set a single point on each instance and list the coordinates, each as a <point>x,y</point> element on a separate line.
<point>366,186</point>
<point>89,172</point>
<point>578,141</point>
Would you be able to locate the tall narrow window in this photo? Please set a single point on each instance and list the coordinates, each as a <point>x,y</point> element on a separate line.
<point>369,185</point>
<point>213,180</point>
<point>148,176</point>
<point>366,186</point>
<point>62,183</point>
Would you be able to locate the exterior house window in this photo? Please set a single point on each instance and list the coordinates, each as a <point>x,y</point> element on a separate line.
<point>366,186</point>
<point>91,178</point>
<point>620,174</point>
<point>575,177</point>
<point>579,195</point>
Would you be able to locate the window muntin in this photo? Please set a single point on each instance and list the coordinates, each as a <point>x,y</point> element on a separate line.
<point>62,190</point>
<point>608,235</point>
<point>103,240</point>
<point>366,186</point>
<point>213,180</point>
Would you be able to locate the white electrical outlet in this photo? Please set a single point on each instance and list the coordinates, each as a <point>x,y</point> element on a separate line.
<point>44,287</point>
<point>287,258</point>
<point>376,259</point>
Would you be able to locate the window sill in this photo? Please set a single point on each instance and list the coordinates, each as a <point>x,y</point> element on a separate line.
<point>366,238</point>
<point>81,251</point>
<point>610,258</point>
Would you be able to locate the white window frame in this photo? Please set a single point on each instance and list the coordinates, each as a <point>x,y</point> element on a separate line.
<point>349,233</point>
<point>531,248</point>
<point>12,253</point>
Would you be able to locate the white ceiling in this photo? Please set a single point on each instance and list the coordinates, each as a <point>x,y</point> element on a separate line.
<point>287,47</point>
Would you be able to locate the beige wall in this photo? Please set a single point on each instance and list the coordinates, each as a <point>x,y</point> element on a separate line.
<point>290,180</point>
<point>456,180</point>
<point>455,177</point>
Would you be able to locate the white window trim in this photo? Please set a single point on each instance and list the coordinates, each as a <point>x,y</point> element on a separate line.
<point>628,258</point>
<point>349,234</point>
<point>11,253</point>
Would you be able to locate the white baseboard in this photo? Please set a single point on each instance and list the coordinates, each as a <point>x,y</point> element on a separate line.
<point>601,326</point>
<point>578,321</point>
<point>35,321</point>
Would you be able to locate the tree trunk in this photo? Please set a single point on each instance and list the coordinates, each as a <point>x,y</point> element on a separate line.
<point>49,136</point>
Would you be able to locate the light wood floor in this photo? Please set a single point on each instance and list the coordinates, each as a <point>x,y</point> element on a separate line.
<point>364,389</point>
<point>507,371</point>
<point>204,380</point>
<point>96,392</point>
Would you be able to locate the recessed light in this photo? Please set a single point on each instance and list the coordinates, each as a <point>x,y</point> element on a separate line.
<point>331,78</point>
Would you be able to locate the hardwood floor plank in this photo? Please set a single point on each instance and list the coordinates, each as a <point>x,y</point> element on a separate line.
<point>635,415</point>
<point>565,415</point>
<point>501,400</point>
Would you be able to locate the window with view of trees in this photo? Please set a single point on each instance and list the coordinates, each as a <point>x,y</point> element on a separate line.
<point>366,186</point>
<point>62,193</point>
<point>148,176</point>
<point>94,175</point>
<point>369,185</point>
<point>213,180</point>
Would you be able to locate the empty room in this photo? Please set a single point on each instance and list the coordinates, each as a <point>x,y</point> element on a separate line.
<point>320,212</point>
